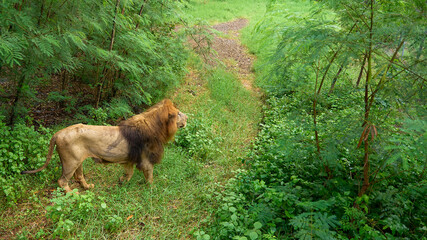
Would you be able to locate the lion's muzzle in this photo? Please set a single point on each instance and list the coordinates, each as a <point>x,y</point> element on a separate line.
<point>182,120</point>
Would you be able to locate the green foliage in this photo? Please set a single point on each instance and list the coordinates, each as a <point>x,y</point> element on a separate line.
<point>125,51</point>
<point>199,140</point>
<point>71,208</point>
<point>21,148</point>
<point>114,223</point>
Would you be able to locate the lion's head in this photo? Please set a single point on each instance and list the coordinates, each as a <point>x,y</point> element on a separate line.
<point>148,131</point>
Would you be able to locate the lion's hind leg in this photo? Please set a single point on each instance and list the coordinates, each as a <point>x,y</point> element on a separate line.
<point>78,175</point>
<point>70,163</point>
<point>63,180</point>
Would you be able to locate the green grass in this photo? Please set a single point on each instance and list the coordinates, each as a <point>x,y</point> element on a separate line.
<point>263,34</point>
<point>215,11</point>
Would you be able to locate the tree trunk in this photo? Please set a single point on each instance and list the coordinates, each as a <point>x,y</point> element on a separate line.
<point>140,12</point>
<point>366,174</point>
<point>104,71</point>
<point>316,132</point>
<point>334,81</point>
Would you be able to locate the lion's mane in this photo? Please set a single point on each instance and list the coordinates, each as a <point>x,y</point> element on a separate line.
<point>146,133</point>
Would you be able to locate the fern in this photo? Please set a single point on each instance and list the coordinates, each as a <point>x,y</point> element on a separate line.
<point>315,225</point>
<point>11,50</point>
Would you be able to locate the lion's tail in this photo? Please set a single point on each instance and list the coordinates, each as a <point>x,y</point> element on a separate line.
<point>48,157</point>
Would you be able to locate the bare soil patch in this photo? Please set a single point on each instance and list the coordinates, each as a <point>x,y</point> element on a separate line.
<point>232,53</point>
<point>225,48</point>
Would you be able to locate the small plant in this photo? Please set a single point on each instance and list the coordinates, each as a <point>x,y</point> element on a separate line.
<point>69,209</point>
<point>198,139</point>
<point>114,223</point>
<point>21,148</point>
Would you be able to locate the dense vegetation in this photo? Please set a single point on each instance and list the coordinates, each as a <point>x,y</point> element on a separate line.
<point>341,153</point>
<point>119,54</point>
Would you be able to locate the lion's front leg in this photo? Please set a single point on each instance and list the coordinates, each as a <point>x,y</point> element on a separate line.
<point>128,172</point>
<point>147,168</point>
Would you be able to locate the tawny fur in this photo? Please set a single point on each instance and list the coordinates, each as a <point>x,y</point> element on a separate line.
<point>137,141</point>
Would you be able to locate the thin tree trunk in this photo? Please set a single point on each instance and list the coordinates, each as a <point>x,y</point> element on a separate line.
<point>113,34</point>
<point>316,132</point>
<point>41,14</point>
<point>100,87</point>
<point>64,80</point>
<point>366,183</point>
<point>140,12</point>
<point>113,31</point>
<point>334,81</point>
<point>362,68</point>
<point>48,11</point>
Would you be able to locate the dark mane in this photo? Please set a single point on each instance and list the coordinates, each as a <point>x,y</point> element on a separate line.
<point>147,132</point>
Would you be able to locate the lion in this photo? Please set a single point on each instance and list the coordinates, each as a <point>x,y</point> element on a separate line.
<point>138,141</point>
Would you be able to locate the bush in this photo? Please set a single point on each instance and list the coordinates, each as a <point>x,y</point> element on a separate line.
<point>21,148</point>
<point>198,140</point>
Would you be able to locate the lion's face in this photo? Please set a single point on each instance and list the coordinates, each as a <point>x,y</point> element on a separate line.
<point>182,120</point>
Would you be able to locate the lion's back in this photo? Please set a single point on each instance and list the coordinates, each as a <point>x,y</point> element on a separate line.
<point>81,133</point>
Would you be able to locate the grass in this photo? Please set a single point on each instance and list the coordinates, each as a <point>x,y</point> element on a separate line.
<point>264,33</point>
<point>215,11</point>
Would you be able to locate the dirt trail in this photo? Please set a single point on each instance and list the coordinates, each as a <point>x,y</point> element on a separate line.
<point>232,53</point>
<point>228,50</point>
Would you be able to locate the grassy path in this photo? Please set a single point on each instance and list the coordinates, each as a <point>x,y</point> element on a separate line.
<point>224,111</point>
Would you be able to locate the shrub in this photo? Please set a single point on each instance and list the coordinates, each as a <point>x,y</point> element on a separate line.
<point>342,162</point>
<point>21,148</point>
<point>198,139</point>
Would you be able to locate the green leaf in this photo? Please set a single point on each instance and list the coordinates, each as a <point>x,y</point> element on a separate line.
<point>253,235</point>
<point>257,225</point>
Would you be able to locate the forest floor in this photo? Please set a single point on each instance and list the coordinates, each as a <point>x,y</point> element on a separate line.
<point>180,202</point>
